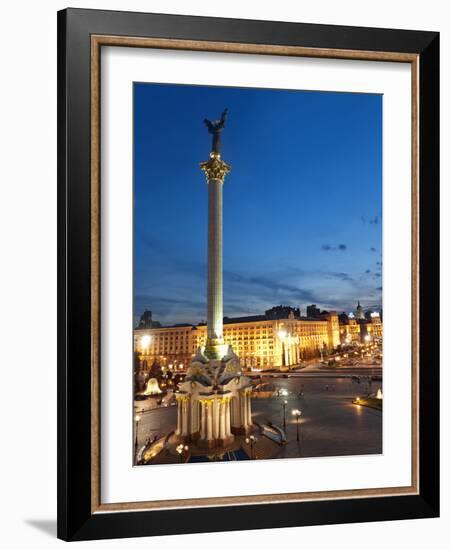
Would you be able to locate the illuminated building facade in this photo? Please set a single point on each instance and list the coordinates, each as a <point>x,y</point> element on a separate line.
<point>357,330</point>
<point>259,342</point>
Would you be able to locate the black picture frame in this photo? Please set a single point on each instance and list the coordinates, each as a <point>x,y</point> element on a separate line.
<point>75,518</point>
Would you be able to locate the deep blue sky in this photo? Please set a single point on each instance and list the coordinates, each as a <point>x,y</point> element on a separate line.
<point>302,205</point>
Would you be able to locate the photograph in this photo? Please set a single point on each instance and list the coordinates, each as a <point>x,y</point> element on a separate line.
<point>257,274</point>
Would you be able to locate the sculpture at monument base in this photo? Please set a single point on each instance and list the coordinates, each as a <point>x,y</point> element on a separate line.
<point>214,401</point>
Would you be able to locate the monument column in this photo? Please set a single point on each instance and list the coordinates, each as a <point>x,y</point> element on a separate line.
<point>214,298</point>
<point>215,171</point>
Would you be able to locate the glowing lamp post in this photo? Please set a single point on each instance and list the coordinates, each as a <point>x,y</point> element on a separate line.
<point>297,414</point>
<point>251,440</point>
<point>283,336</point>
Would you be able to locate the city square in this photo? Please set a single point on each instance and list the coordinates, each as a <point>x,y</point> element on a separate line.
<point>288,382</point>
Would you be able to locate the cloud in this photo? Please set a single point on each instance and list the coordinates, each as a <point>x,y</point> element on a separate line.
<point>340,246</point>
<point>165,256</point>
<point>172,284</point>
<point>275,286</point>
<point>371,221</point>
<point>342,276</point>
<point>171,310</point>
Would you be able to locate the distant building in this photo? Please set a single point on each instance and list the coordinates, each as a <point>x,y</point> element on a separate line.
<point>343,318</point>
<point>145,321</point>
<point>313,311</point>
<point>359,314</point>
<point>356,330</point>
<point>282,312</point>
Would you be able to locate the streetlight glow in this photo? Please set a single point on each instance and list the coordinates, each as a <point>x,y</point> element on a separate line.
<point>145,341</point>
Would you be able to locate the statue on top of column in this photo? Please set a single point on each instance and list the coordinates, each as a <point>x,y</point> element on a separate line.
<point>215,127</point>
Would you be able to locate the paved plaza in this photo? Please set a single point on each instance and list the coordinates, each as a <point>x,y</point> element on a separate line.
<point>330,424</point>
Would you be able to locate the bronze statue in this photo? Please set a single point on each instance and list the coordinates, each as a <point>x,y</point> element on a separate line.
<point>215,127</point>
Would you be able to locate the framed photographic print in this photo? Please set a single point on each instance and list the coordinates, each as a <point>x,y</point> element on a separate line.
<point>248,274</point>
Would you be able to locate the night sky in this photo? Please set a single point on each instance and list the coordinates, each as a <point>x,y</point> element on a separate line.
<point>302,205</point>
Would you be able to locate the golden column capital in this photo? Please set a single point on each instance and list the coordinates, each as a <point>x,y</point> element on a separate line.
<point>215,168</point>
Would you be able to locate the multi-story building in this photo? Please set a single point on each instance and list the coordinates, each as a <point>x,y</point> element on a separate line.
<point>350,331</point>
<point>374,327</point>
<point>261,341</point>
<point>357,330</point>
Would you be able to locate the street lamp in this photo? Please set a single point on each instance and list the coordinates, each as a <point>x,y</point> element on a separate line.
<point>251,440</point>
<point>283,335</point>
<point>297,414</point>
<point>180,449</point>
<point>137,419</point>
<point>285,403</point>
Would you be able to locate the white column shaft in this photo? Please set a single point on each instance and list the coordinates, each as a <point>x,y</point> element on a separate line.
<point>193,417</point>
<point>243,410</point>
<point>227,419</point>
<point>208,410</point>
<point>235,415</point>
<point>178,431</point>
<point>185,418</point>
<point>216,419</point>
<point>203,421</point>
<point>214,297</point>
<point>222,425</point>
